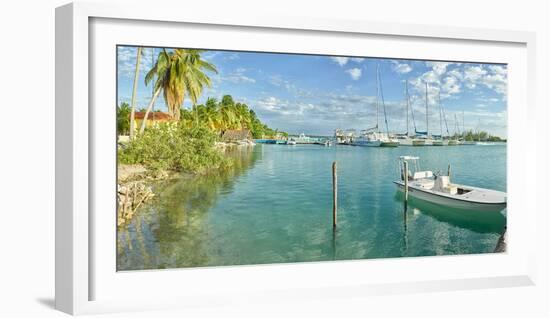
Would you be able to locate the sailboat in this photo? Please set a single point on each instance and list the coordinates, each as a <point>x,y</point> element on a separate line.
<point>450,141</point>
<point>406,139</point>
<point>373,137</point>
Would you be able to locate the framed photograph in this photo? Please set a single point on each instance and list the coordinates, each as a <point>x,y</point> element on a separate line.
<point>213,159</point>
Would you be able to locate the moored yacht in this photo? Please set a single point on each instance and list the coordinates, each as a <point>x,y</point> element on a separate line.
<point>406,139</point>
<point>373,137</point>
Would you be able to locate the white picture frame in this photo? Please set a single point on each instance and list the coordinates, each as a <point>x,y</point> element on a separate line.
<point>77,253</point>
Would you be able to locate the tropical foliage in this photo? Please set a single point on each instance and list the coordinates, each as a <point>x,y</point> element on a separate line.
<point>180,73</point>
<point>227,114</point>
<point>170,146</point>
<point>471,135</point>
<point>188,142</point>
<point>123,119</point>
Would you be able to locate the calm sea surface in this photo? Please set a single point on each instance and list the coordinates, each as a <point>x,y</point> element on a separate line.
<point>275,205</point>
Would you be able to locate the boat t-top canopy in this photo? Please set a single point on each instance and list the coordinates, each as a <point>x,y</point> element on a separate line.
<point>409,158</point>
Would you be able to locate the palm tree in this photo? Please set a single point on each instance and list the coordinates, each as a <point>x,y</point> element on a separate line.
<point>186,77</point>
<point>180,73</point>
<point>161,70</point>
<point>134,91</point>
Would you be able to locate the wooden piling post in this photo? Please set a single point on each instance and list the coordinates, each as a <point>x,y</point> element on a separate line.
<point>449,171</point>
<point>334,194</point>
<point>406,179</point>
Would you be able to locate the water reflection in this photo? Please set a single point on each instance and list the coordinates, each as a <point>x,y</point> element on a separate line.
<point>175,219</point>
<point>479,222</point>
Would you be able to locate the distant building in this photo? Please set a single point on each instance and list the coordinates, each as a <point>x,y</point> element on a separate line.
<point>152,118</point>
<point>236,135</point>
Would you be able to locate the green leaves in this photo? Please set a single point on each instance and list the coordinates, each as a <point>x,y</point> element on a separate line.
<point>170,146</point>
<point>123,119</point>
<point>180,72</point>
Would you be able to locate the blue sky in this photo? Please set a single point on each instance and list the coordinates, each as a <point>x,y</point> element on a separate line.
<point>316,94</point>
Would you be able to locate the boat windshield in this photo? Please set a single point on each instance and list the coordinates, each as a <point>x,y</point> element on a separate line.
<point>413,166</point>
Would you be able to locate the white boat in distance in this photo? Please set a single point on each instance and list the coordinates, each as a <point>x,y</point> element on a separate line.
<point>438,189</point>
<point>373,137</point>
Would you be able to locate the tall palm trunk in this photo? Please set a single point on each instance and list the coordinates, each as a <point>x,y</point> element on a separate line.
<point>149,107</point>
<point>134,93</point>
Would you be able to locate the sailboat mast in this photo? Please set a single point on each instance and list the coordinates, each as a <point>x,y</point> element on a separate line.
<point>457,131</point>
<point>440,113</point>
<point>463,127</point>
<point>427,131</point>
<point>407,104</point>
<point>383,103</point>
<point>377,97</point>
<point>445,119</point>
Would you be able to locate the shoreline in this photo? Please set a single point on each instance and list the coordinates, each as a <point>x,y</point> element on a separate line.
<point>134,187</point>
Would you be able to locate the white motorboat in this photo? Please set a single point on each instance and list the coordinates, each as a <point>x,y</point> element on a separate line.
<point>368,139</point>
<point>375,139</point>
<point>303,139</point>
<point>291,142</point>
<point>438,189</point>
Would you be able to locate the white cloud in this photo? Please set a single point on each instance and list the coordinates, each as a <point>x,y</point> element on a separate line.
<point>493,77</point>
<point>340,60</point>
<point>355,73</point>
<point>277,80</point>
<point>126,56</point>
<point>401,68</point>
<point>450,86</point>
<point>472,75</point>
<point>277,107</point>
<point>238,76</point>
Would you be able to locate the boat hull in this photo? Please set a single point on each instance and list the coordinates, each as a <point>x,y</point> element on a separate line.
<point>411,142</point>
<point>452,143</point>
<point>367,143</point>
<point>389,144</point>
<point>430,196</point>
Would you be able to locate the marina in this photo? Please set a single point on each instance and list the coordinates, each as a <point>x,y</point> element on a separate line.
<point>240,158</point>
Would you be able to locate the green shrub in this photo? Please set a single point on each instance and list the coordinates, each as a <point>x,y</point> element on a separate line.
<point>174,147</point>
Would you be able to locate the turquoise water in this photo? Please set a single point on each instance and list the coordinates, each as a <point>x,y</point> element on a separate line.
<point>275,205</point>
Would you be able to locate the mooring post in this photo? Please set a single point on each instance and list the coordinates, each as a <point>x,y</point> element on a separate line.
<point>334,194</point>
<point>406,179</point>
<point>449,171</point>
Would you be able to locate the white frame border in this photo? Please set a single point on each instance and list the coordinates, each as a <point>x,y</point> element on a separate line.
<point>72,139</point>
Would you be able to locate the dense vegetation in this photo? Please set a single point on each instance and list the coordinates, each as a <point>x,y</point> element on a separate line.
<point>470,135</point>
<point>174,147</point>
<point>227,114</point>
<point>123,119</point>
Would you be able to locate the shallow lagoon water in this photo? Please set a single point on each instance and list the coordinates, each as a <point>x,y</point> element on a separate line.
<point>275,206</point>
